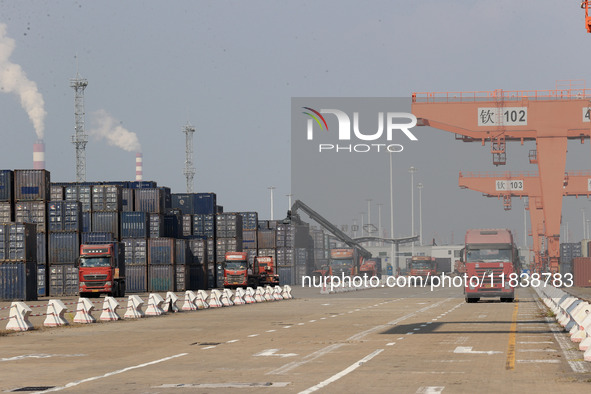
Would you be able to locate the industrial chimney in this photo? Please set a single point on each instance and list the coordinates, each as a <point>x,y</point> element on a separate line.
<point>39,155</point>
<point>139,167</point>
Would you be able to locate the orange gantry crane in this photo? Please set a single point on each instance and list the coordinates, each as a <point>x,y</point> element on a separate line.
<point>585,6</point>
<point>526,184</point>
<point>550,118</point>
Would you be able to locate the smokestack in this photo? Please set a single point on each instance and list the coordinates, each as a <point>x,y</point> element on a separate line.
<point>139,167</point>
<point>39,155</point>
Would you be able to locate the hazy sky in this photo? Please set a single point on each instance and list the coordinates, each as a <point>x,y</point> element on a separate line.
<point>231,68</point>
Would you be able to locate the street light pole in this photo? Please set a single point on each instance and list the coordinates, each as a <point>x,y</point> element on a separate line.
<point>412,171</point>
<point>271,188</point>
<point>289,200</point>
<point>420,187</point>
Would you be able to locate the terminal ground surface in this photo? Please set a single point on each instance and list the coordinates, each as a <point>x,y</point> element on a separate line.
<point>409,340</point>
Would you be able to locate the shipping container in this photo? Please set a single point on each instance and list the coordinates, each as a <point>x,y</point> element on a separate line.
<point>186,202</point>
<point>41,281</point>
<point>250,220</point>
<point>189,277</point>
<point>266,239</point>
<point>64,216</point>
<point>211,251</point>
<point>300,272</point>
<point>96,237</point>
<point>301,256</point>
<point>64,247</point>
<point>31,185</point>
<point>285,257</point>
<point>136,251</point>
<point>135,224</point>
<point>6,185</point>
<point>107,198</point>
<point>41,248</point>
<point>136,278</point>
<point>32,212</point>
<point>143,185</point>
<point>22,242</point>
<point>263,225</point>
<point>156,223</point>
<point>204,225</point>
<point>86,222</point>
<point>18,280</point>
<point>106,222</point>
<point>249,239</point>
<point>182,253</point>
<point>286,275</point>
<point>582,271</point>
<point>229,225</point>
<point>6,212</point>
<point>198,251</point>
<point>171,226</point>
<point>56,193</point>
<point>224,245</point>
<point>4,241</point>
<point>161,277</point>
<point>150,200</point>
<point>166,197</point>
<point>187,226</point>
<point>205,204</point>
<point>219,275</point>
<point>127,200</point>
<point>63,280</point>
<point>81,193</point>
<point>269,252</point>
<point>161,251</point>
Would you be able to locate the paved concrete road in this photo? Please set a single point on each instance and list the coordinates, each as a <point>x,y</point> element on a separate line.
<point>382,340</point>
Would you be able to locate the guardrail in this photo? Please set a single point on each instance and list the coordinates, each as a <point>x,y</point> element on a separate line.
<point>572,313</point>
<point>19,314</point>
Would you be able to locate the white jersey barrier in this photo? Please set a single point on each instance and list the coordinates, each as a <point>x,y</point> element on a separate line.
<point>238,296</point>
<point>155,302</point>
<point>134,307</point>
<point>84,310</point>
<point>190,301</point>
<point>249,294</point>
<point>571,313</point>
<point>55,314</point>
<point>18,319</point>
<point>110,306</point>
<point>170,303</point>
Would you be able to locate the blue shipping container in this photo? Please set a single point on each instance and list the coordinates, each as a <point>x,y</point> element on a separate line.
<point>142,185</point>
<point>41,281</point>
<point>134,224</point>
<point>22,242</point>
<point>86,222</point>
<point>63,280</point>
<point>136,279</point>
<point>106,222</point>
<point>206,203</point>
<point>127,200</point>
<point>160,278</point>
<point>161,251</point>
<point>31,185</point>
<point>41,248</point>
<point>135,251</point>
<point>6,185</point>
<point>3,241</point>
<point>18,281</point>
<point>96,237</point>
<point>64,216</point>
<point>64,247</point>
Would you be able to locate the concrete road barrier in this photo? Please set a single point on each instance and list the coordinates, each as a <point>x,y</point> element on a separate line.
<point>84,310</point>
<point>55,314</point>
<point>134,307</point>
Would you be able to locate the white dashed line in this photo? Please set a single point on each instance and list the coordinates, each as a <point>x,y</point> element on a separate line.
<point>253,335</point>
<point>233,340</point>
<point>270,330</point>
<point>207,347</point>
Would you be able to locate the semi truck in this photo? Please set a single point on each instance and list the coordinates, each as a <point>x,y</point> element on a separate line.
<point>238,273</point>
<point>424,267</point>
<point>343,262</point>
<point>101,269</point>
<point>490,257</point>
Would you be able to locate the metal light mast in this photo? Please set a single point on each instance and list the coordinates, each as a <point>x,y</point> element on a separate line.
<point>79,139</point>
<point>189,170</point>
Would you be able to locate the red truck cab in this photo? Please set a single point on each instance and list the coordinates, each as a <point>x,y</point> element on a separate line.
<point>424,267</point>
<point>235,269</point>
<point>101,270</point>
<point>342,262</point>
<point>490,257</point>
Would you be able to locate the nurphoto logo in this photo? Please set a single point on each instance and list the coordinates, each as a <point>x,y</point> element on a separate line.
<point>391,120</point>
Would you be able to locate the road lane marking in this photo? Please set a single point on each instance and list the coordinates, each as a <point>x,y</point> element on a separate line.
<point>207,347</point>
<point>344,372</point>
<point>311,321</point>
<point>222,385</point>
<point>430,389</point>
<point>539,361</point>
<point>119,371</point>
<point>273,352</point>
<point>537,350</point>
<point>270,330</point>
<point>287,327</point>
<point>391,344</point>
<point>510,362</point>
<point>310,357</point>
<point>39,356</point>
<point>253,335</point>
<point>527,342</point>
<point>233,340</point>
<point>468,350</point>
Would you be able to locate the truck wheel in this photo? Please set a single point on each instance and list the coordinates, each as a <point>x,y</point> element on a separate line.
<point>122,289</point>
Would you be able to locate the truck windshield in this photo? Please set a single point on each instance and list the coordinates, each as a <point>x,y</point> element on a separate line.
<point>488,255</point>
<point>420,265</point>
<point>236,265</point>
<point>95,261</point>
<point>340,267</point>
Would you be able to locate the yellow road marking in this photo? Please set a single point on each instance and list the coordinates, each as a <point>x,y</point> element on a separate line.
<point>510,364</point>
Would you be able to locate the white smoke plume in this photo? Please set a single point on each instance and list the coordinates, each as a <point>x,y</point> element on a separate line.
<point>14,80</point>
<point>108,128</point>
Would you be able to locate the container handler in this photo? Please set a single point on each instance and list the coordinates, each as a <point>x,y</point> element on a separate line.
<point>101,269</point>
